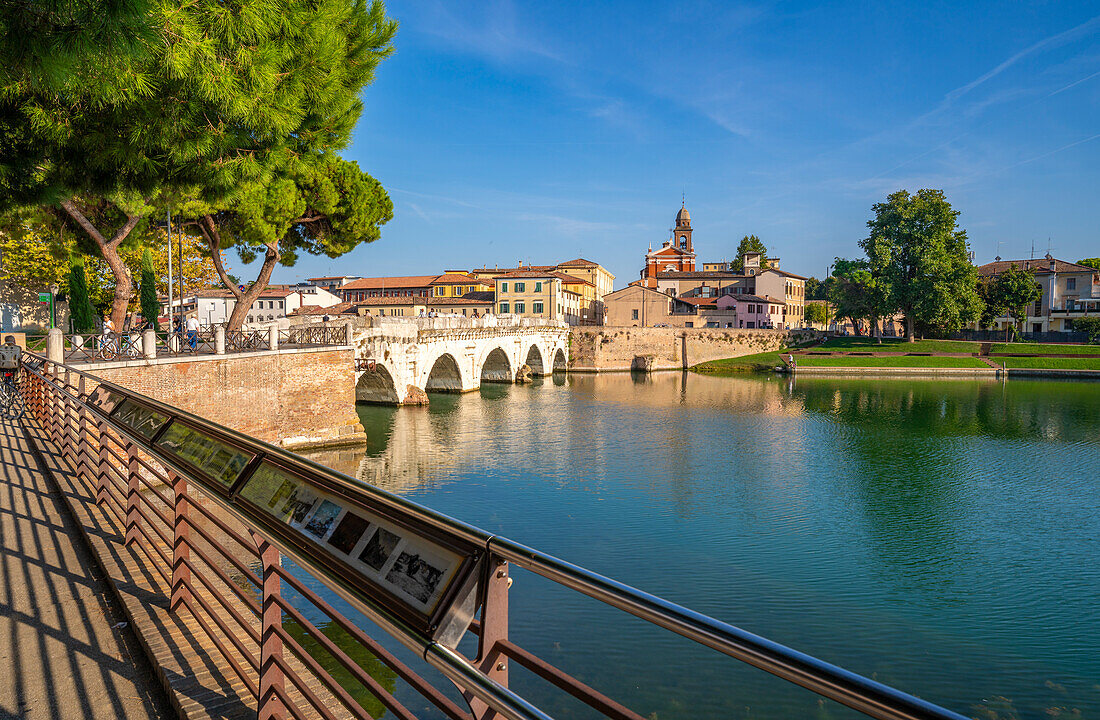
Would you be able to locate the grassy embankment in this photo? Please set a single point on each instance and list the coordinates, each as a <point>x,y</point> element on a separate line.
<point>763,362</point>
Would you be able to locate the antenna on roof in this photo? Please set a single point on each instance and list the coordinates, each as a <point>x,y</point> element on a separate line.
<point>1032,248</point>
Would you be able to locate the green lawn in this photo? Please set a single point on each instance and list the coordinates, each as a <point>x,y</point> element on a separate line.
<point>893,345</point>
<point>1051,363</point>
<point>1041,348</point>
<point>769,360</point>
<point>745,363</point>
<point>899,361</point>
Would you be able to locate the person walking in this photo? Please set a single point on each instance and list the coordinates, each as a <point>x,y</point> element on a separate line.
<point>193,332</point>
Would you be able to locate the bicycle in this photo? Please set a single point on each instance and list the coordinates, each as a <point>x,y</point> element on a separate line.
<point>11,401</point>
<point>113,346</point>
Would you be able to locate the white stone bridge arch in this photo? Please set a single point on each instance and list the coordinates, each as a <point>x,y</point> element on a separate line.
<point>398,361</point>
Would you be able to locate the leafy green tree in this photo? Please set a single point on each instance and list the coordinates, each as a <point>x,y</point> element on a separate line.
<point>150,307</point>
<point>1012,292</point>
<point>32,257</point>
<point>815,313</point>
<point>80,306</point>
<point>920,259</point>
<point>750,243</point>
<point>208,98</point>
<point>1093,263</point>
<point>1090,325</point>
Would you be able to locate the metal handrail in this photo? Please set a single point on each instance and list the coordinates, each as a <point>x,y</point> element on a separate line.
<point>865,695</point>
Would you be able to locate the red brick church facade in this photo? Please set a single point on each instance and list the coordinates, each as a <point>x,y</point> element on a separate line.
<point>675,255</point>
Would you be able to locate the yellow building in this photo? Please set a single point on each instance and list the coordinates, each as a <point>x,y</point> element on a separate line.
<point>539,294</point>
<point>455,283</point>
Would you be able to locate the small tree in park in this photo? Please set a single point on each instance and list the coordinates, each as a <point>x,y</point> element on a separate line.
<point>80,306</point>
<point>1014,290</point>
<point>150,306</point>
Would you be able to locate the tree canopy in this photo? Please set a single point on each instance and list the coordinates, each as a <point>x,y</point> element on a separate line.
<point>1010,293</point>
<point>1093,263</point>
<point>921,259</point>
<point>750,243</point>
<point>207,101</point>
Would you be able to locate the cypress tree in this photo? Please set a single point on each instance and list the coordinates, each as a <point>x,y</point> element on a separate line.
<point>80,307</point>
<point>150,308</point>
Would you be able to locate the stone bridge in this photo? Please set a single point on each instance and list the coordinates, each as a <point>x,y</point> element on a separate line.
<point>398,360</point>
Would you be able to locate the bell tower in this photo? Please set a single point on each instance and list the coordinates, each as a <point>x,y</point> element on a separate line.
<point>681,234</point>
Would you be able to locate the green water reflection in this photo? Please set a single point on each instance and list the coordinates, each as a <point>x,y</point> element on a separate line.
<point>939,535</point>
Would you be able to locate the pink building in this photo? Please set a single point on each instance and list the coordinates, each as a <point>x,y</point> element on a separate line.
<point>753,311</point>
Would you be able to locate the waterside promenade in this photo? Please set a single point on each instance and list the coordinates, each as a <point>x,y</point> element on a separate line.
<point>66,646</point>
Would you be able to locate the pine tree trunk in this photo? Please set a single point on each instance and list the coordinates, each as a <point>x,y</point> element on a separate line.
<point>244,299</point>
<point>124,286</point>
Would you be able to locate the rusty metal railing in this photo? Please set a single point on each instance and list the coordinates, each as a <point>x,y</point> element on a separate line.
<point>220,557</point>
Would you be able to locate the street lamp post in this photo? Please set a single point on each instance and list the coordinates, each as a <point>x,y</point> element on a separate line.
<point>53,299</point>
<point>828,273</point>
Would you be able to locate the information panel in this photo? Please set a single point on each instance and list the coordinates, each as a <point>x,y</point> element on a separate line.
<point>409,567</point>
<point>142,420</point>
<point>214,458</point>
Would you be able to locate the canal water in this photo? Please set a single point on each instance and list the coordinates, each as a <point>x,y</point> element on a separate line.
<point>941,536</point>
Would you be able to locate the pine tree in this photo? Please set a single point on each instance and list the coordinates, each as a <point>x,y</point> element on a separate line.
<point>80,306</point>
<point>207,102</point>
<point>150,307</point>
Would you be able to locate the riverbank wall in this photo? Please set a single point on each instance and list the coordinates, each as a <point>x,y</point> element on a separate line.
<point>616,349</point>
<point>297,398</point>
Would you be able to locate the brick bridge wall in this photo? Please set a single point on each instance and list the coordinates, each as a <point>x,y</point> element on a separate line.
<point>296,398</point>
<point>605,349</point>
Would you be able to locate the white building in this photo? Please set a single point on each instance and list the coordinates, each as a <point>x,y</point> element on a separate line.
<point>215,306</point>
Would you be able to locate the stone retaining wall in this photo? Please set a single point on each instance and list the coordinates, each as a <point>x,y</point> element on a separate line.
<point>296,398</point>
<point>608,349</point>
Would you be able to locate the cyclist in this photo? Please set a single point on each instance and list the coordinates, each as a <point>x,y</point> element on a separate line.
<point>10,363</point>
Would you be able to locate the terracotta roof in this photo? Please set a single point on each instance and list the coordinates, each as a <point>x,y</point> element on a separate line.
<point>1038,266</point>
<point>579,262</point>
<point>780,272</point>
<point>337,309</point>
<point>669,250</point>
<point>455,279</point>
<point>407,281</point>
<point>636,285</point>
<point>697,301</point>
<point>571,280</point>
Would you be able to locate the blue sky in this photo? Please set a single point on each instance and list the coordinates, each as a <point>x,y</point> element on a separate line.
<point>535,131</point>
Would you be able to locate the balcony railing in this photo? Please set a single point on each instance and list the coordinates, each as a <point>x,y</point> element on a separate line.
<point>199,501</point>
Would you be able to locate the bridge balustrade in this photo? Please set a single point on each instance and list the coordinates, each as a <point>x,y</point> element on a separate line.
<point>216,514</point>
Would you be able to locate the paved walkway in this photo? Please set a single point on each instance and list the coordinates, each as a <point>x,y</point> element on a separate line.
<point>64,652</point>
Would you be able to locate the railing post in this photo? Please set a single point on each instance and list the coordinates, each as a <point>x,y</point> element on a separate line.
<point>55,346</point>
<point>133,467</point>
<point>83,466</point>
<point>270,705</point>
<point>273,337</point>
<point>66,423</point>
<point>494,628</point>
<point>101,477</point>
<point>219,339</point>
<point>181,544</point>
<point>149,344</point>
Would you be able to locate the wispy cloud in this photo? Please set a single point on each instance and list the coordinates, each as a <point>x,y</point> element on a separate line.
<point>1086,28</point>
<point>491,29</point>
